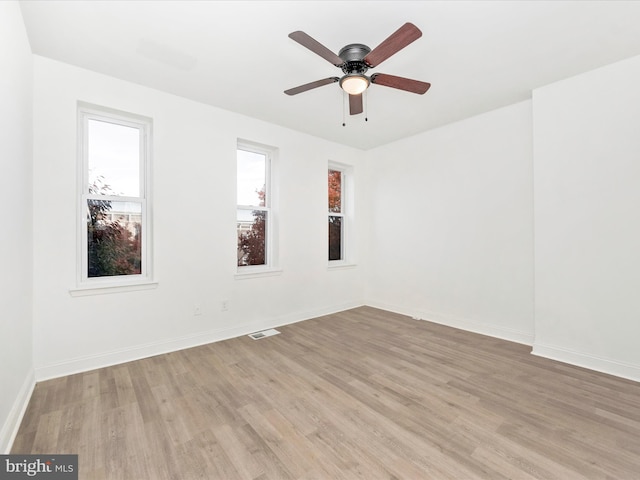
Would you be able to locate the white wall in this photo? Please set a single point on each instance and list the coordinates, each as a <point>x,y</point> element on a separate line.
<point>445,224</point>
<point>587,219</point>
<point>451,237</point>
<point>16,365</point>
<point>194,242</point>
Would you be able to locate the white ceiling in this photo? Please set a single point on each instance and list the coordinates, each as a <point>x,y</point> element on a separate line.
<point>478,55</point>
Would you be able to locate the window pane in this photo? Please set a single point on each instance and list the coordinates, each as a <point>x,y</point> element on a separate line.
<point>114,159</point>
<point>335,191</point>
<point>335,238</point>
<point>252,174</point>
<point>252,237</point>
<point>114,233</point>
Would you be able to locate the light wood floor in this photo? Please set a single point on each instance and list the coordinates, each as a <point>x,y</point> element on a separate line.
<point>360,394</point>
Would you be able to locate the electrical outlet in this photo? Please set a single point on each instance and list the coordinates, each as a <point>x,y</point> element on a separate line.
<point>224,305</point>
<point>197,309</point>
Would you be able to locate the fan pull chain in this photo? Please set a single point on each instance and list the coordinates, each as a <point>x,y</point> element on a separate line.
<point>344,120</point>
<point>366,106</point>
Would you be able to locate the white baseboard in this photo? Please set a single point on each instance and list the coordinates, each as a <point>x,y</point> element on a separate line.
<point>496,331</point>
<point>12,423</point>
<point>591,362</point>
<point>598,364</point>
<point>106,359</point>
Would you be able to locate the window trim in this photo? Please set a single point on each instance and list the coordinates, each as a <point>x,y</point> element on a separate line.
<point>86,285</point>
<point>270,267</point>
<point>346,213</point>
<point>339,214</point>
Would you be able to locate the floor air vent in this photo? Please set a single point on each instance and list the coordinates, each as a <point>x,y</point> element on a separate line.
<point>264,333</point>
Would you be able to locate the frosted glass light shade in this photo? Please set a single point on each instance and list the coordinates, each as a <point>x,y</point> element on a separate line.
<point>354,84</point>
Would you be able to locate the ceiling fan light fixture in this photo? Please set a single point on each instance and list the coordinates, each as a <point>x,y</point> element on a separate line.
<point>354,84</point>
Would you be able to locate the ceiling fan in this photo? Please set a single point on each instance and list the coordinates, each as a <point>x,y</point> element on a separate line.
<point>355,59</point>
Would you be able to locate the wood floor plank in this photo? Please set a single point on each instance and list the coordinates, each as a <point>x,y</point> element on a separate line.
<point>361,394</point>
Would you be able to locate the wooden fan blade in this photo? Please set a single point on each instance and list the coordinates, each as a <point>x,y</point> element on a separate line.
<point>355,104</point>
<point>399,39</point>
<point>316,47</point>
<point>311,86</point>
<point>401,83</point>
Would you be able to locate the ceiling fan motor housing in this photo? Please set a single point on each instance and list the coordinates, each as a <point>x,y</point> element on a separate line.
<point>353,56</point>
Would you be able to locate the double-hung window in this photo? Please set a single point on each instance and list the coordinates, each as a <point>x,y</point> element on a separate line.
<point>339,182</point>
<point>114,231</point>
<point>255,215</point>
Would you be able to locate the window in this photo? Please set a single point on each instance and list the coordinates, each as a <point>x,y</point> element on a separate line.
<point>114,151</point>
<point>255,219</point>
<point>339,191</point>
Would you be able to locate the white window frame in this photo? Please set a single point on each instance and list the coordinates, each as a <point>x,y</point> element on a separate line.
<point>271,266</point>
<point>346,213</point>
<point>86,285</point>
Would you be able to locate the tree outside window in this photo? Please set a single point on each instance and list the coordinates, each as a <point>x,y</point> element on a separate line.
<point>114,234</point>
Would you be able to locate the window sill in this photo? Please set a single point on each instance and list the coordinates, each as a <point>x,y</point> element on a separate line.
<point>114,288</point>
<point>257,274</point>
<point>338,265</point>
